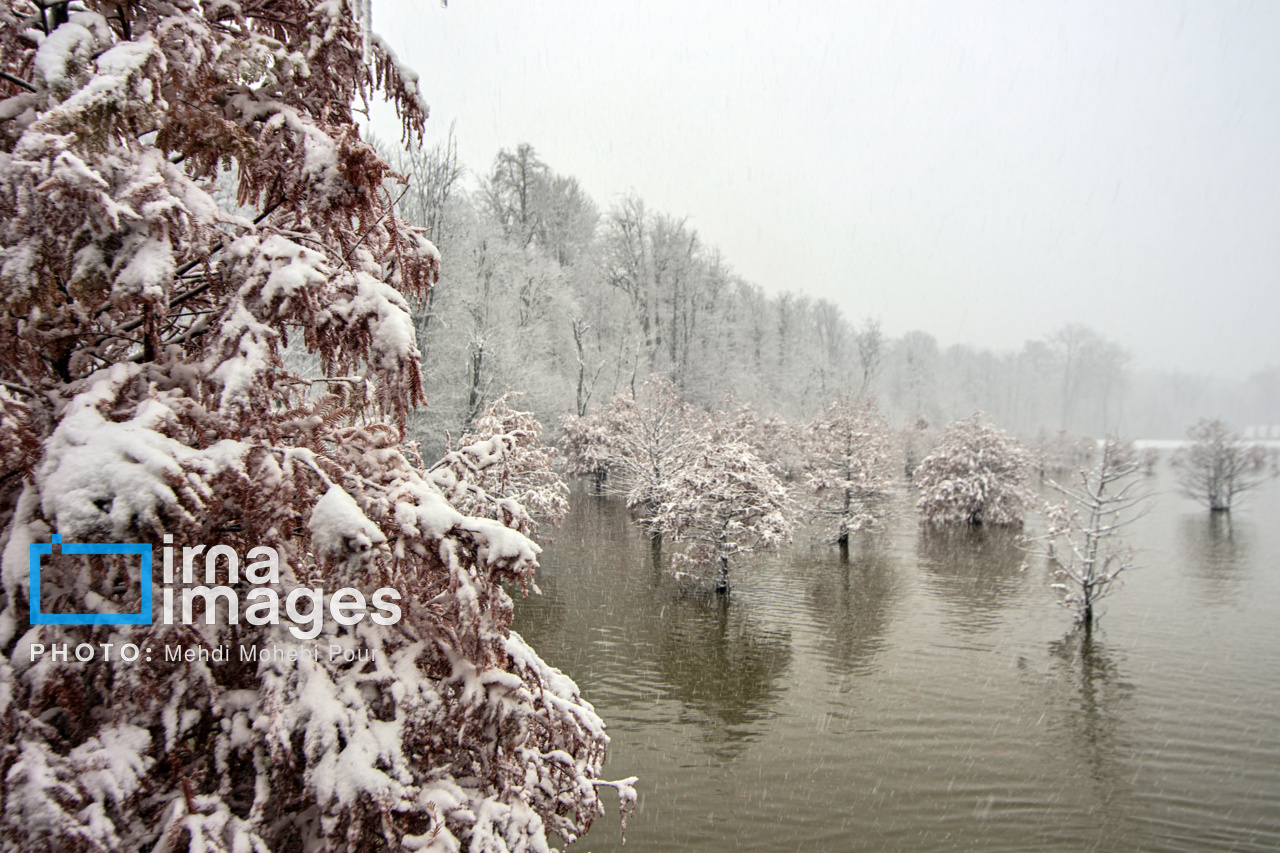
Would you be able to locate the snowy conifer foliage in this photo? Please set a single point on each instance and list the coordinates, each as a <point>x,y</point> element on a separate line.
<point>144,396</point>
<point>976,475</point>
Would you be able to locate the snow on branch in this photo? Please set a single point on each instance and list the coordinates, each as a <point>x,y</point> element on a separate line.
<point>145,399</point>
<point>1083,536</point>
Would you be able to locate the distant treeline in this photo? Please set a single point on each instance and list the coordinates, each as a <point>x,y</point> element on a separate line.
<point>542,291</point>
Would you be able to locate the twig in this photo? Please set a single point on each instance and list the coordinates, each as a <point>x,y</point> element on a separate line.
<point>18,81</point>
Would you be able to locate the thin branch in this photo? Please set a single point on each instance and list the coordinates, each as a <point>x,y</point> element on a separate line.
<point>21,389</point>
<point>18,81</point>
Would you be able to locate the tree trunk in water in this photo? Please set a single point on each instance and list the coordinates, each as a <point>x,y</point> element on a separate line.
<point>843,542</point>
<point>722,575</point>
<point>655,550</point>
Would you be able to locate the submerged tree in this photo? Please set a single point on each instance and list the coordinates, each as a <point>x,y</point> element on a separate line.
<point>145,397</point>
<point>977,475</point>
<point>642,442</point>
<point>726,502</point>
<point>1219,465</point>
<point>1083,537</point>
<point>687,475</point>
<point>584,440</point>
<point>851,462</point>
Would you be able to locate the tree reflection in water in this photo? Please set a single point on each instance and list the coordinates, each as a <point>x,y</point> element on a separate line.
<point>974,571</point>
<point>722,664</point>
<point>1094,698</point>
<point>1215,551</point>
<point>850,604</point>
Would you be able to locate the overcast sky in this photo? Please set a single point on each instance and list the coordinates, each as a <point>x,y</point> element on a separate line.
<point>985,172</point>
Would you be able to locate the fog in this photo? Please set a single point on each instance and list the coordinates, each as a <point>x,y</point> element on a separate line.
<point>984,172</point>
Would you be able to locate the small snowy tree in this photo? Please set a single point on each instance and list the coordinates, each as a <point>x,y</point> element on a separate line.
<point>851,462</point>
<point>1083,537</point>
<point>146,397</point>
<point>977,475</point>
<point>726,502</point>
<point>586,447</point>
<point>642,442</point>
<point>1219,465</point>
<point>504,471</point>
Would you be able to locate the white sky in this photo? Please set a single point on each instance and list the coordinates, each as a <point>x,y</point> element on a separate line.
<point>985,172</point>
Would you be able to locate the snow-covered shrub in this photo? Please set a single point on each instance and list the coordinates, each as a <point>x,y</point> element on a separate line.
<point>504,471</point>
<point>145,396</point>
<point>977,475</point>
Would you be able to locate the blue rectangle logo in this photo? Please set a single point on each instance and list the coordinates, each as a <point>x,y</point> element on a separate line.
<point>109,548</point>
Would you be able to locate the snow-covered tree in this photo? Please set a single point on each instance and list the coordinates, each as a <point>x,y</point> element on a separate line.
<point>688,476</point>
<point>726,502</point>
<point>585,441</point>
<point>852,457</point>
<point>1083,535</point>
<point>145,398</point>
<point>977,475</point>
<point>1219,465</point>
<point>642,442</point>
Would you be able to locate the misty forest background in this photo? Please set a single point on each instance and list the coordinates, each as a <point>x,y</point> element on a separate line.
<point>545,292</point>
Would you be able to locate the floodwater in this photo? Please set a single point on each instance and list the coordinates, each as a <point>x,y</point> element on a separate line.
<point>930,694</point>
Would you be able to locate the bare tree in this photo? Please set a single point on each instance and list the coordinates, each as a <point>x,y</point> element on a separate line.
<point>870,341</point>
<point>433,175</point>
<point>1218,466</point>
<point>513,192</point>
<point>1083,537</point>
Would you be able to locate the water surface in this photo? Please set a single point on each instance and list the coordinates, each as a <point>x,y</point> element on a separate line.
<point>930,694</point>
